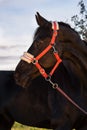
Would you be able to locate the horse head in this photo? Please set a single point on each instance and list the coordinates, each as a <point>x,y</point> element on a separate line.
<point>71,49</point>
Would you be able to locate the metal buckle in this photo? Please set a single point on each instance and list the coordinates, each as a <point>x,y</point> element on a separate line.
<point>48,78</point>
<point>54,49</point>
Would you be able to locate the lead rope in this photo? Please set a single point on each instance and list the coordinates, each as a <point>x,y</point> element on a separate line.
<point>55,86</point>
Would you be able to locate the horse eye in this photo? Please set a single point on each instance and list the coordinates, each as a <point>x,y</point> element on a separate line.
<point>38,43</point>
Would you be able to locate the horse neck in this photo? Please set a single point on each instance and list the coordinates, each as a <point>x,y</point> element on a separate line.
<point>75,61</point>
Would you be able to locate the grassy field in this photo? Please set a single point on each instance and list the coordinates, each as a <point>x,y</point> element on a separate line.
<point>18,126</point>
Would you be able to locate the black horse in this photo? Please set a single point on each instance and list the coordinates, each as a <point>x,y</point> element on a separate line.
<point>71,75</point>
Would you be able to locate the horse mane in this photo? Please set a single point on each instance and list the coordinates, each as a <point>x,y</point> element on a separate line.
<point>64,24</point>
<point>78,56</point>
<point>85,42</point>
<point>68,27</point>
<point>60,23</point>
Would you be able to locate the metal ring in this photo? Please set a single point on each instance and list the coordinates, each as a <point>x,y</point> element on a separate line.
<point>34,61</point>
<point>55,85</point>
<point>48,78</point>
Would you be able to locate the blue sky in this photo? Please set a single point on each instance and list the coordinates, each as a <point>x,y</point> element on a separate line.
<point>17,22</point>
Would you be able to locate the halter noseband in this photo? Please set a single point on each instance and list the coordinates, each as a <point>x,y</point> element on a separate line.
<point>31,59</point>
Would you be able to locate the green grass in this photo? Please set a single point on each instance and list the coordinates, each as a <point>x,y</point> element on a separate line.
<point>18,126</point>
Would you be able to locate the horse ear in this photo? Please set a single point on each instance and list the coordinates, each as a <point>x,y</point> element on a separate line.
<point>42,21</point>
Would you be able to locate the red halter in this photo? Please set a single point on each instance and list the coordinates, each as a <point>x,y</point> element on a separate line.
<point>30,58</point>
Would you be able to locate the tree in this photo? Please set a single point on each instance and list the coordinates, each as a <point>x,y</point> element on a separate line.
<point>80,21</point>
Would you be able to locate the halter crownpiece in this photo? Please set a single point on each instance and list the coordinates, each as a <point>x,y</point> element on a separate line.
<point>55,25</point>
